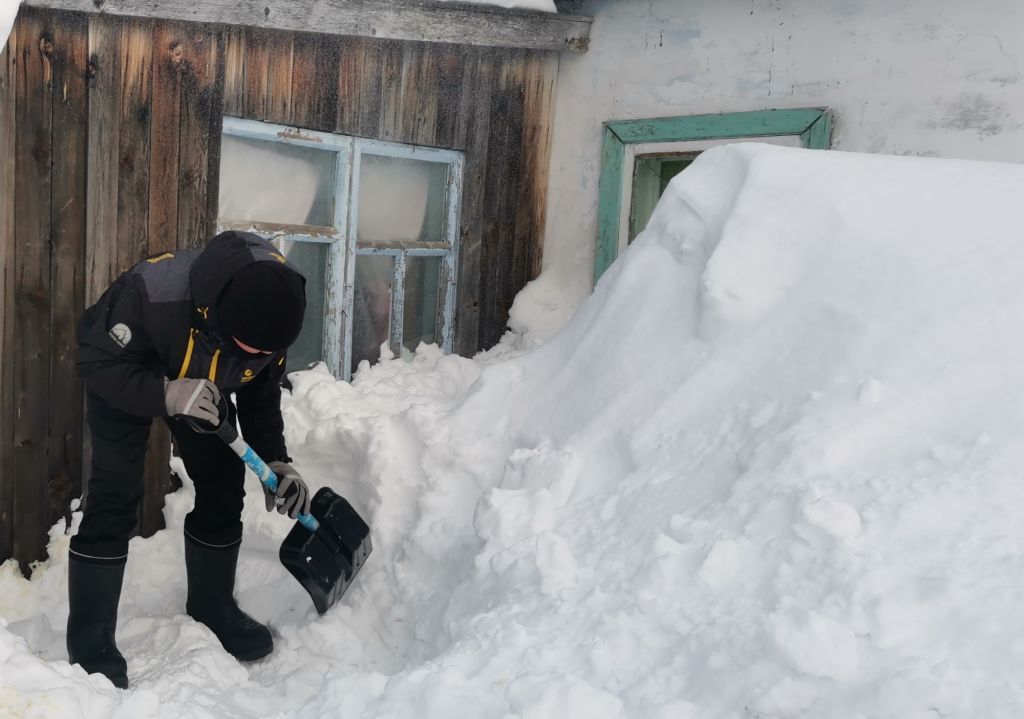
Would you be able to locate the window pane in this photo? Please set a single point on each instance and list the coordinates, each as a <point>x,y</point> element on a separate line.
<point>422,297</point>
<point>276,182</point>
<point>371,306</point>
<point>310,258</point>
<point>651,176</point>
<point>401,200</point>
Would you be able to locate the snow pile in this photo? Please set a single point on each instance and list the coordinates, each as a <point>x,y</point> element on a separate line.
<point>770,469</point>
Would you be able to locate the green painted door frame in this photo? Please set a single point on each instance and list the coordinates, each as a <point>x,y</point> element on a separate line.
<point>813,125</point>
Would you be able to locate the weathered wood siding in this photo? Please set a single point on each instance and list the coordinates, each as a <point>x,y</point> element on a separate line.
<point>492,104</point>
<point>109,151</point>
<point>105,130</point>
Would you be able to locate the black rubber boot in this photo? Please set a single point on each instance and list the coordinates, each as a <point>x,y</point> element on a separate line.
<point>211,586</point>
<point>94,590</point>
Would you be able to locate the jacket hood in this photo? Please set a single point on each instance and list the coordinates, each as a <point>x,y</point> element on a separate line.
<point>217,264</point>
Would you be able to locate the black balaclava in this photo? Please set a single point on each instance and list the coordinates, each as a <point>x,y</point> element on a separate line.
<point>263,306</point>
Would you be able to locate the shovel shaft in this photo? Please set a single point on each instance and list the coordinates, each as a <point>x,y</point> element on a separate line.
<point>266,476</point>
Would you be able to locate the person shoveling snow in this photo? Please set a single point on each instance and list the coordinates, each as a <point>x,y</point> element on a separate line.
<point>171,338</point>
<point>771,468</point>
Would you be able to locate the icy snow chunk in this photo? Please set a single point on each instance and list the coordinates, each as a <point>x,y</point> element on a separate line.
<point>678,709</point>
<point>835,517</point>
<point>788,697</point>
<point>538,312</point>
<point>728,561</point>
<point>509,515</point>
<point>870,391</point>
<point>557,565</point>
<point>538,697</point>
<point>764,415</point>
<point>816,644</point>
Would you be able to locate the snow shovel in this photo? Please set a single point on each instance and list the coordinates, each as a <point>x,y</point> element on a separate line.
<point>327,547</point>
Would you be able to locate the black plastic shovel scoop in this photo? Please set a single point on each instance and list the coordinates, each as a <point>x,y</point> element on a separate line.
<point>327,547</point>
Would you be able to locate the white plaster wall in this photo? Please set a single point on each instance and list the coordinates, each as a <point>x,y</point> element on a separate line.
<point>925,77</point>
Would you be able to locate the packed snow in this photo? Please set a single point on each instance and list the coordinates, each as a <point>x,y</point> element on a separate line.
<point>771,468</point>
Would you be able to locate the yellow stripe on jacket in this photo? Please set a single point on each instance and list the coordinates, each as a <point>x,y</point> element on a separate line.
<point>188,352</point>
<point>213,366</point>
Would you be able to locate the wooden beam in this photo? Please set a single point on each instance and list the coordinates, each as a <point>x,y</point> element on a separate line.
<point>101,184</point>
<point>531,204</point>
<point>452,69</point>
<point>199,135</point>
<point>168,46</point>
<point>315,67</point>
<point>390,19</point>
<point>134,143</point>
<point>32,290</point>
<point>504,173</point>
<point>70,137</point>
<point>819,135</point>
<point>609,194</point>
<point>390,127</point>
<point>104,138</point>
<point>8,71</point>
<point>759,123</point>
<point>473,133</point>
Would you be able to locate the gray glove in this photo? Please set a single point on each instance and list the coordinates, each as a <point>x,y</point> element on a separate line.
<point>292,497</point>
<point>196,398</point>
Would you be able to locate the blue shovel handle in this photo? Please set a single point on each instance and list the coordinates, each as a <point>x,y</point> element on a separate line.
<point>267,477</point>
<point>227,432</point>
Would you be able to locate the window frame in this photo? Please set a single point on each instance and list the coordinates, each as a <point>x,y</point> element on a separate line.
<point>447,249</point>
<point>812,125</point>
<point>342,235</point>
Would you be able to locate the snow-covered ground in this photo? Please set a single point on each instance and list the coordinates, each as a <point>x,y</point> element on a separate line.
<point>771,468</point>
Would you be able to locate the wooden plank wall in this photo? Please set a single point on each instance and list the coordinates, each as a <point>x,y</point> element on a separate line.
<point>115,124</point>
<point>8,70</point>
<point>111,124</point>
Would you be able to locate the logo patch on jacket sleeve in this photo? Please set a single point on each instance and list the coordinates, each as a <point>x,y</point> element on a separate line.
<point>247,375</point>
<point>121,334</point>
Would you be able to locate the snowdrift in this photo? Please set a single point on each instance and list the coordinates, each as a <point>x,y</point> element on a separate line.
<point>771,468</point>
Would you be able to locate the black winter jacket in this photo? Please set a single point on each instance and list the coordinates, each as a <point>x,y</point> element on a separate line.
<point>159,320</point>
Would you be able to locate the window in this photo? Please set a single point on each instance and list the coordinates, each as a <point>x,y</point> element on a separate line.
<point>651,152</point>
<point>651,175</point>
<point>372,225</point>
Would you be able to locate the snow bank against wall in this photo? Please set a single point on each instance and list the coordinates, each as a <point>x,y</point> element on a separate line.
<point>770,469</point>
<point>917,77</point>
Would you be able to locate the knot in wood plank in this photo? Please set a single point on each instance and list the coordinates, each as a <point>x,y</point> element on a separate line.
<point>46,45</point>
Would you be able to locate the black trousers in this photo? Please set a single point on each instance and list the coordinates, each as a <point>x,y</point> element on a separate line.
<point>115,486</point>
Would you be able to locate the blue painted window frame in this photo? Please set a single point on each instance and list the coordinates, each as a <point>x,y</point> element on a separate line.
<point>812,124</point>
<point>342,234</point>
